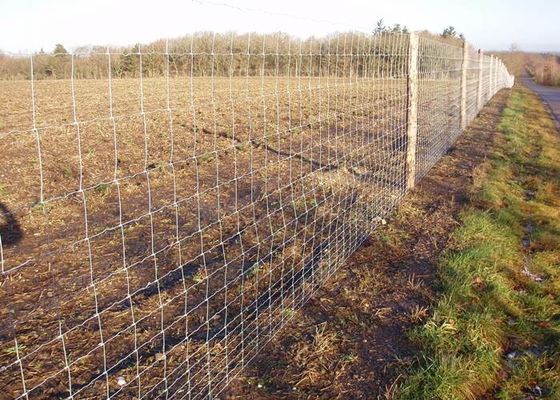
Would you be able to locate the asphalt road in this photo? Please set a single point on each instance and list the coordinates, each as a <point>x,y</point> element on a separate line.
<point>550,95</point>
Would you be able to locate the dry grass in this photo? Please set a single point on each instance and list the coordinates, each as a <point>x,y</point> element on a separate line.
<point>495,331</point>
<point>384,289</point>
<point>142,215</point>
<point>544,68</point>
<point>149,209</point>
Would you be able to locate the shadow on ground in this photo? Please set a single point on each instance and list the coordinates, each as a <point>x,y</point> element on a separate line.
<point>10,230</point>
<point>349,341</point>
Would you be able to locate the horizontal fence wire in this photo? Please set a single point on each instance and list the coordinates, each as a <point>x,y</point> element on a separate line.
<point>164,211</point>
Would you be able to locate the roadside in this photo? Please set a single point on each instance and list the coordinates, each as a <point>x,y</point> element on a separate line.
<point>495,330</point>
<point>350,341</point>
<point>549,94</point>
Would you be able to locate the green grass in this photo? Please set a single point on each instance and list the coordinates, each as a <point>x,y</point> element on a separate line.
<point>103,189</point>
<point>495,330</point>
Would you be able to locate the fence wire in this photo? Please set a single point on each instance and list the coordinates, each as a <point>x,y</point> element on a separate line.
<point>162,220</point>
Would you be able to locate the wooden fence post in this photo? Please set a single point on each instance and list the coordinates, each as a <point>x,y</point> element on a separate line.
<point>480,78</point>
<point>498,72</point>
<point>490,79</point>
<point>494,70</point>
<point>464,66</point>
<point>412,110</point>
<point>497,78</point>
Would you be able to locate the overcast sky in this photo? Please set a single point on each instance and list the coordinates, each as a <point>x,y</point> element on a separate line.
<point>29,25</point>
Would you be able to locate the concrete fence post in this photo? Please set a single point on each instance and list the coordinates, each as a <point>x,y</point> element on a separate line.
<point>480,80</point>
<point>412,110</point>
<point>464,67</point>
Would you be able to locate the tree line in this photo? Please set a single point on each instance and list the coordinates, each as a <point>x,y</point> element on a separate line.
<point>224,54</point>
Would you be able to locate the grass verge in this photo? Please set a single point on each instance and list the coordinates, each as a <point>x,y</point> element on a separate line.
<point>495,331</point>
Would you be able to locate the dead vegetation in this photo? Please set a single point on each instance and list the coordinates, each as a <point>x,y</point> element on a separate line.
<point>160,231</point>
<point>138,227</point>
<point>495,331</point>
<point>385,289</point>
<point>542,67</point>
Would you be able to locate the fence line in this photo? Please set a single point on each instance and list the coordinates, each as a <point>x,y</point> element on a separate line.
<point>161,223</point>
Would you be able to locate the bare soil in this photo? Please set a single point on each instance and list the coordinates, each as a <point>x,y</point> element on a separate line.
<point>165,231</point>
<point>350,340</point>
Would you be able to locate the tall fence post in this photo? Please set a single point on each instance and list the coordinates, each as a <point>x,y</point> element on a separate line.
<point>412,110</point>
<point>480,78</point>
<point>497,75</point>
<point>464,66</point>
<point>491,79</point>
<point>494,69</point>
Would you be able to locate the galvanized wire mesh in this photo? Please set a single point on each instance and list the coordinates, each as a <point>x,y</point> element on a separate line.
<point>162,222</point>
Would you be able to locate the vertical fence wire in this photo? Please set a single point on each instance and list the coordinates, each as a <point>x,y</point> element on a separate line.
<point>159,224</point>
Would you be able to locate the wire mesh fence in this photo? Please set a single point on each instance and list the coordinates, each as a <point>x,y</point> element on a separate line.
<point>164,211</point>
